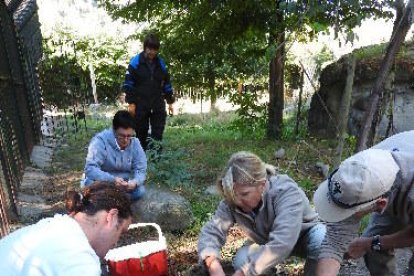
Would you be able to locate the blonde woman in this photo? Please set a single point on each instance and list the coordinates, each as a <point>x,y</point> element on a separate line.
<point>272,210</point>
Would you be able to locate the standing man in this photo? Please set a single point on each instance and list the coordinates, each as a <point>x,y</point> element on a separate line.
<point>377,181</point>
<point>147,86</point>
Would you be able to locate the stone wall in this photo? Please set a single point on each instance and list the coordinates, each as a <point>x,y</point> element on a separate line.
<point>325,104</point>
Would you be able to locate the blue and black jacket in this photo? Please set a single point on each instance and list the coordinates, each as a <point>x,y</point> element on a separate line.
<point>147,85</point>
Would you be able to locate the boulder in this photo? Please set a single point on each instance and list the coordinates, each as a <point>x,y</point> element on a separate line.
<point>170,210</point>
<point>322,168</point>
<point>324,112</point>
<point>280,153</point>
<point>212,190</point>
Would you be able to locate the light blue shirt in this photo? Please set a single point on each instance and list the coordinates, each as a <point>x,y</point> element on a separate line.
<point>105,160</point>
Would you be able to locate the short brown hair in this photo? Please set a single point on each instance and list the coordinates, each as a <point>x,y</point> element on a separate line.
<point>96,197</point>
<point>151,41</point>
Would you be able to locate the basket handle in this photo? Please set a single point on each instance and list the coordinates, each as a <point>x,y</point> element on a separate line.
<point>161,238</point>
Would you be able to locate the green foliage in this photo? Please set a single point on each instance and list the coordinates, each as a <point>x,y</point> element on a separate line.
<point>293,75</point>
<point>65,69</point>
<point>252,115</point>
<point>289,124</point>
<point>203,207</point>
<point>212,43</point>
<point>167,167</point>
<point>370,52</point>
<point>325,55</point>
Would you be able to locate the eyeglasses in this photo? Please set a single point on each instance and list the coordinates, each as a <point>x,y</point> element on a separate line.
<point>123,136</point>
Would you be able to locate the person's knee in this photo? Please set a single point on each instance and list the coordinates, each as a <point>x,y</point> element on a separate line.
<point>316,236</point>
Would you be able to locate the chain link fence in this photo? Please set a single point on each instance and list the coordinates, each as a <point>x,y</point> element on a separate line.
<point>21,102</point>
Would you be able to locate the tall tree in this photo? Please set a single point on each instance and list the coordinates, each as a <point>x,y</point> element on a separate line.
<point>398,36</point>
<point>213,26</point>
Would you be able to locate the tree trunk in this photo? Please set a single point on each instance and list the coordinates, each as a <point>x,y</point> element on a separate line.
<point>302,77</point>
<point>276,84</point>
<point>382,106</point>
<point>212,92</point>
<point>344,109</point>
<point>93,83</point>
<point>385,96</point>
<point>393,47</point>
<point>390,128</point>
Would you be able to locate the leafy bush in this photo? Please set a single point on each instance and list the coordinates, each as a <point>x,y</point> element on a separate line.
<point>167,167</point>
<point>65,71</point>
<point>252,115</point>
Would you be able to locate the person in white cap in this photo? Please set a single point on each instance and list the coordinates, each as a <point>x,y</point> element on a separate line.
<point>379,180</point>
<point>271,209</point>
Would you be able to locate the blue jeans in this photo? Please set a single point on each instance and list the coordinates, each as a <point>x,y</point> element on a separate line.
<point>137,193</point>
<point>307,246</point>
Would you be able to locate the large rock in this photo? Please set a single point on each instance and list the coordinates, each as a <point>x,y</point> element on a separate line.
<point>171,211</point>
<point>324,110</point>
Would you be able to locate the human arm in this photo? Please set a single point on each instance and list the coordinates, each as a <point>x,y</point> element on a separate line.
<point>166,85</point>
<point>95,159</point>
<point>239,273</point>
<point>170,109</point>
<point>362,245</point>
<point>129,85</point>
<point>328,267</point>
<point>213,266</point>
<point>213,236</point>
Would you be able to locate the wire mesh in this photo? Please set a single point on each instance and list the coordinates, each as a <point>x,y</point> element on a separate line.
<point>21,102</point>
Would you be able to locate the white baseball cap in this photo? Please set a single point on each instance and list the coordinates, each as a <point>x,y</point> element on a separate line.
<point>359,180</point>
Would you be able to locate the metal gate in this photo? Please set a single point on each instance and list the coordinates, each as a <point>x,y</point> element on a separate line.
<point>20,98</point>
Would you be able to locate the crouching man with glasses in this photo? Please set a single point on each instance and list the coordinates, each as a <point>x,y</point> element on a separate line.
<point>377,181</point>
<point>115,155</point>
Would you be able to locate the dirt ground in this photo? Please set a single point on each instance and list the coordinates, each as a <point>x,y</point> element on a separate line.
<point>182,247</point>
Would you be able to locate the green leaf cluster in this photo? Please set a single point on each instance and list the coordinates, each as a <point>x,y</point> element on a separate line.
<point>212,43</point>
<point>65,70</point>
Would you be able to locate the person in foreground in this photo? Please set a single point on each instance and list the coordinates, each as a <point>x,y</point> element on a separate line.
<point>271,209</point>
<point>377,181</point>
<point>69,244</point>
<point>115,155</point>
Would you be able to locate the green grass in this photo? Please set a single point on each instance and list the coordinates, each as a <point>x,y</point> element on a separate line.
<point>195,150</point>
<point>197,147</point>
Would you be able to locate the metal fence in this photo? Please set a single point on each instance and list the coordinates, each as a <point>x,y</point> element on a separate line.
<point>21,103</point>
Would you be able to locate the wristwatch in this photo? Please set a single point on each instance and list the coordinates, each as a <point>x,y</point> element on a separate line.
<point>375,243</point>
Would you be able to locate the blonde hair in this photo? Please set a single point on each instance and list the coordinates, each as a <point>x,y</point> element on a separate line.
<point>243,168</point>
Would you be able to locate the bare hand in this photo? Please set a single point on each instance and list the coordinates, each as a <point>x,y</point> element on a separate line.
<point>120,183</point>
<point>215,268</point>
<point>170,109</point>
<point>359,247</point>
<point>131,109</point>
<point>132,184</point>
<point>238,273</point>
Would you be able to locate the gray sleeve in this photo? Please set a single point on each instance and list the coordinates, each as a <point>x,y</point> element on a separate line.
<point>284,233</point>
<point>214,232</point>
<point>338,236</point>
<point>94,161</point>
